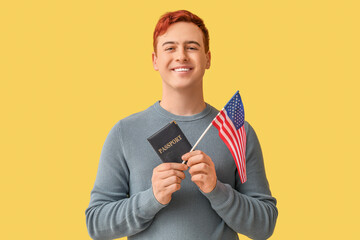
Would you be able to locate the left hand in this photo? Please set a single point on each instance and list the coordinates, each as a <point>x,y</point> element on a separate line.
<point>202,170</point>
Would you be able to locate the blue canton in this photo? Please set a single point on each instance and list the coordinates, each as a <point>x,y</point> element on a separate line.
<point>235,110</point>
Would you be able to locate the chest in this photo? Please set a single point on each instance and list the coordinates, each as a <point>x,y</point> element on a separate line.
<point>142,159</point>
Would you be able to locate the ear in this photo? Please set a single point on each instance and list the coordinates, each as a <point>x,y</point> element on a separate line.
<point>208,59</point>
<point>154,61</point>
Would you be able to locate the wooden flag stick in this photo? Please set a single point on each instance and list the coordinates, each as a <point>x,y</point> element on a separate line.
<point>202,135</point>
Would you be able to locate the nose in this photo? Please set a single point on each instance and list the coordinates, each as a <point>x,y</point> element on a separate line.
<point>182,55</point>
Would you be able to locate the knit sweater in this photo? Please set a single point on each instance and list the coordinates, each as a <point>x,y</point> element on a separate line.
<point>123,203</point>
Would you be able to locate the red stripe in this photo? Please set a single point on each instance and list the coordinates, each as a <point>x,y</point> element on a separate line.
<point>239,159</point>
<point>238,142</point>
<point>243,145</point>
<point>226,122</point>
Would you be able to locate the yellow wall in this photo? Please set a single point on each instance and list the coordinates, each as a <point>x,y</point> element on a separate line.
<point>70,70</point>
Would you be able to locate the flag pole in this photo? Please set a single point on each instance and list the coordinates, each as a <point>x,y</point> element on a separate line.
<point>202,135</point>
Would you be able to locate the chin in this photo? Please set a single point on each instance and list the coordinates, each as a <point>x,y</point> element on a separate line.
<point>182,85</point>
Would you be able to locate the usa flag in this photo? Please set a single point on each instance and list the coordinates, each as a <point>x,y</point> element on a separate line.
<point>230,123</point>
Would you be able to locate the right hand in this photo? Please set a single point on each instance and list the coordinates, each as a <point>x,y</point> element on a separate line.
<point>166,180</point>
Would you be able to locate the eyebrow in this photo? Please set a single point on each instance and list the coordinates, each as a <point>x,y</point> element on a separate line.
<point>186,42</point>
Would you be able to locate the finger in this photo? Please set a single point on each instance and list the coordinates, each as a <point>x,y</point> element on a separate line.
<point>169,173</point>
<point>200,168</point>
<point>199,178</point>
<point>172,188</point>
<point>171,166</point>
<point>186,156</point>
<point>163,184</point>
<point>201,158</point>
<point>171,181</point>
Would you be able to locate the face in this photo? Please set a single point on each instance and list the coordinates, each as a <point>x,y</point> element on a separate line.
<point>180,58</point>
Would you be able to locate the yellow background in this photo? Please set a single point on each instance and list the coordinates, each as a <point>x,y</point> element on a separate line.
<point>70,70</point>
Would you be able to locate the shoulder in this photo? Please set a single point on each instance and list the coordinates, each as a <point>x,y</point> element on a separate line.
<point>139,125</point>
<point>248,128</point>
<point>250,131</point>
<point>135,119</point>
<point>252,140</point>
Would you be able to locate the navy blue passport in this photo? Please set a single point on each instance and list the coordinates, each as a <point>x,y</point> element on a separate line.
<point>170,143</point>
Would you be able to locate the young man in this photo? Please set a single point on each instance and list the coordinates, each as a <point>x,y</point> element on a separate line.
<point>138,196</point>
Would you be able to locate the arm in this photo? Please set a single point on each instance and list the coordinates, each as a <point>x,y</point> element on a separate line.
<point>248,209</point>
<point>111,212</point>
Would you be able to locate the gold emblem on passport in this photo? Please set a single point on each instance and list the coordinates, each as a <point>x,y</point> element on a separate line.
<point>170,143</point>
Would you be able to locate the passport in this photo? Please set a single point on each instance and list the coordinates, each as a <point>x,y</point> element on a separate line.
<point>170,143</point>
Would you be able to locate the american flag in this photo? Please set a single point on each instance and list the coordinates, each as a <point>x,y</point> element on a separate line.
<point>230,123</point>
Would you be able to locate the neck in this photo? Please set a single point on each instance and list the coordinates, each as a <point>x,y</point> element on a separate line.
<point>185,102</point>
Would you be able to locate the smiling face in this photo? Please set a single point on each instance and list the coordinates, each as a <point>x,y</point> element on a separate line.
<point>180,57</point>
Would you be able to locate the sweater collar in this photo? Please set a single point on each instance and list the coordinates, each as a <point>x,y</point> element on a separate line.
<point>180,118</point>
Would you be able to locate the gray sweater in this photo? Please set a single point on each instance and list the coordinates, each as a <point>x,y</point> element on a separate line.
<point>122,200</point>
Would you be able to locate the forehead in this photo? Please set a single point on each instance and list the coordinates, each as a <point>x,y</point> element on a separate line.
<point>182,32</point>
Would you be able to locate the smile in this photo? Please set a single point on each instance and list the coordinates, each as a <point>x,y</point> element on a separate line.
<point>182,69</point>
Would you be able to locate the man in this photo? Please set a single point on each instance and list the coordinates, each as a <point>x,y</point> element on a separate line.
<point>138,196</point>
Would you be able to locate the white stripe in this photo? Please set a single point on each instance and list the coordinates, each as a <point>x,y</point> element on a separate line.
<point>240,155</point>
<point>241,152</point>
<point>240,137</point>
<point>232,147</point>
<point>228,121</point>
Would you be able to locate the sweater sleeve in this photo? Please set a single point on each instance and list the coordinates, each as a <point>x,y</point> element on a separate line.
<point>111,212</point>
<point>248,209</point>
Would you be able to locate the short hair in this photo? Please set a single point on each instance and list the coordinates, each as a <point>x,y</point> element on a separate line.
<point>179,16</point>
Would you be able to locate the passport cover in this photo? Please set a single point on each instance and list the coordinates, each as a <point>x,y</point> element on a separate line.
<point>170,143</point>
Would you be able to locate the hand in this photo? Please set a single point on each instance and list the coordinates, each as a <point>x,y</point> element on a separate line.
<point>202,170</point>
<point>166,180</point>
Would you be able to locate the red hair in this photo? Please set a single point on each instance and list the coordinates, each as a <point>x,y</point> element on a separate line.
<point>179,16</point>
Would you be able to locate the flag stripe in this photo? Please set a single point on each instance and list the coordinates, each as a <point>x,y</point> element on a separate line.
<point>231,131</point>
<point>243,146</point>
<point>224,136</point>
<point>230,124</point>
<point>236,133</point>
<point>233,141</point>
<point>240,141</point>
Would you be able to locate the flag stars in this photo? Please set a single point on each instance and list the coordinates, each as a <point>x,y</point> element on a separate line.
<point>235,110</point>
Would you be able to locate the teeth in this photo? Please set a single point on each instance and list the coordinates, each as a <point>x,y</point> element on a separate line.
<point>182,69</point>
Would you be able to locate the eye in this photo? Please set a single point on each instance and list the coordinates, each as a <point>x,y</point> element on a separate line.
<point>169,49</point>
<point>192,48</point>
